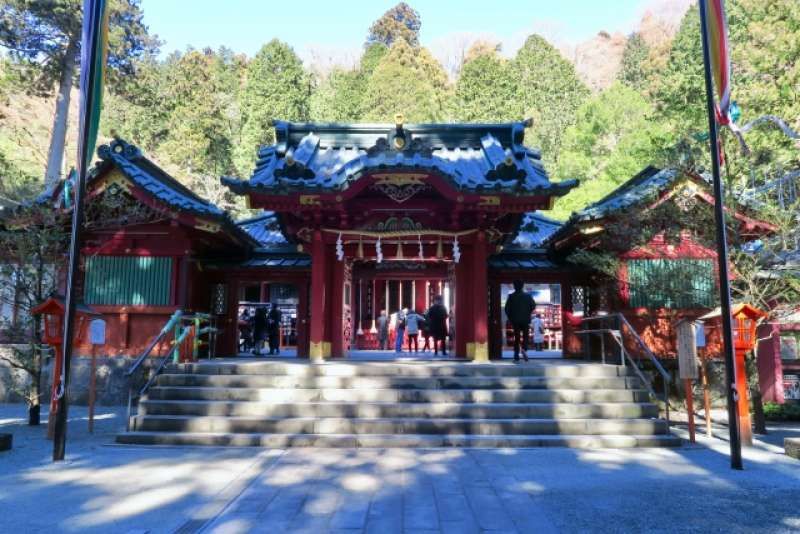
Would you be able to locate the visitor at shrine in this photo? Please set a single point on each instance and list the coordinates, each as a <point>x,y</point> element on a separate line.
<point>425,331</point>
<point>259,329</point>
<point>383,331</point>
<point>519,307</point>
<point>274,329</point>
<point>538,332</point>
<point>413,320</point>
<point>400,330</point>
<point>437,325</point>
<point>245,331</point>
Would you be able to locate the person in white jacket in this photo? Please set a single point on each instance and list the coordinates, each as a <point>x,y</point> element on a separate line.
<point>537,325</point>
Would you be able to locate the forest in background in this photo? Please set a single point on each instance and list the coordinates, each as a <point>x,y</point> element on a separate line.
<point>202,113</point>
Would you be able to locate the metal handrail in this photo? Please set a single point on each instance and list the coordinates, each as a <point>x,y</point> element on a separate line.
<point>175,347</point>
<point>170,324</point>
<point>617,336</point>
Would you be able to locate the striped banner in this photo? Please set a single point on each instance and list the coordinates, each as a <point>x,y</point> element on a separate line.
<point>94,47</point>
<point>717,32</point>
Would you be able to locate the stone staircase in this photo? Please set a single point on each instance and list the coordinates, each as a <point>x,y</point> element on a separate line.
<point>394,404</point>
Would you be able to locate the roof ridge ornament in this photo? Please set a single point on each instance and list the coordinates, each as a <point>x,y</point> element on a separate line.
<point>119,147</point>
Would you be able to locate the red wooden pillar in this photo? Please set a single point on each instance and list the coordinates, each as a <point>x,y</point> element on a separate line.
<point>496,322</point>
<point>463,312</point>
<point>318,347</point>
<point>336,313</point>
<point>480,298</point>
<point>302,319</point>
<point>420,295</point>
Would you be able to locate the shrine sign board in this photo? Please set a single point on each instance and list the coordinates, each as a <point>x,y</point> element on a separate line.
<point>97,332</point>
<point>687,349</point>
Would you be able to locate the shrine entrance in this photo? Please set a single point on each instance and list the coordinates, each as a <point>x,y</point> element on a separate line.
<point>392,286</point>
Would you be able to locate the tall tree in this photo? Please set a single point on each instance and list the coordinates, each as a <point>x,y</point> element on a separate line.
<point>340,96</point>
<point>550,93</point>
<point>277,87</point>
<point>400,22</point>
<point>486,89</point>
<point>633,69</point>
<point>407,81</point>
<point>43,39</point>
<point>613,138</point>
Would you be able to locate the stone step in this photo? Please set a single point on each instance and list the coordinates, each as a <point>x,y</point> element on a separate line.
<point>395,409</point>
<point>402,441</point>
<point>415,369</point>
<point>283,395</point>
<point>315,425</point>
<point>398,382</point>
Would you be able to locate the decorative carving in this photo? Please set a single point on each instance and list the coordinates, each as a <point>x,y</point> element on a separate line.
<point>400,187</point>
<point>211,228</point>
<point>310,200</point>
<point>489,200</point>
<point>396,224</point>
<point>404,265</point>
<point>113,207</point>
<point>686,199</point>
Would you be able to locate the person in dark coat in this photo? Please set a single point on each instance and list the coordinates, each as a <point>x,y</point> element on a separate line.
<point>437,325</point>
<point>259,329</point>
<point>274,329</point>
<point>519,308</point>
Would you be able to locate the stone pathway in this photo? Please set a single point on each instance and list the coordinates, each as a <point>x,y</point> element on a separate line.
<point>534,490</point>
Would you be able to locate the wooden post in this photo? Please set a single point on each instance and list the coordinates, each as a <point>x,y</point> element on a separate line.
<point>51,417</point>
<point>690,407</point>
<point>706,396</point>
<point>92,386</point>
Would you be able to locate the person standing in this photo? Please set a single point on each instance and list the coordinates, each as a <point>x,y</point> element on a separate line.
<point>274,329</point>
<point>259,329</point>
<point>538,332</point>
<point>425,330</point>
<point>383,330</point>
<point>413,320</point>
<point>437,325</point>
<point>519,307</point>
<point>400,330</point>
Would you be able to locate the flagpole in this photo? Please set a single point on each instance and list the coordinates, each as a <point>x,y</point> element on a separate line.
<point>722,256</point>
<point>91,27</point>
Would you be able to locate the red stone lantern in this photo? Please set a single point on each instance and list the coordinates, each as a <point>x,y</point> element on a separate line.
<point>745,320</point>
<point>52,311</point>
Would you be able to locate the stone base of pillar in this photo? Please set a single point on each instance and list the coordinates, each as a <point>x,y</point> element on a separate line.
<point>480,352</point>
<point>320,350</point>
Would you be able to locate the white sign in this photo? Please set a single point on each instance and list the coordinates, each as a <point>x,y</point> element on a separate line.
<point>687,350</point>
<point>97,332</point>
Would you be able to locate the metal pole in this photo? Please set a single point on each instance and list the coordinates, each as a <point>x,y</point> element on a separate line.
<point>60,435</point>
<point>722,257</point>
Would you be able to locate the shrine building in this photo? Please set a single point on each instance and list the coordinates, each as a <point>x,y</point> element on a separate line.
<point>359,218</point>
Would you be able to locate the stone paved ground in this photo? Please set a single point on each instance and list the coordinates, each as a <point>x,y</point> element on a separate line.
<point>106,488</point>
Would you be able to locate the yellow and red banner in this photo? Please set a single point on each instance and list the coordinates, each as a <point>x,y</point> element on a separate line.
<point>719,54</point>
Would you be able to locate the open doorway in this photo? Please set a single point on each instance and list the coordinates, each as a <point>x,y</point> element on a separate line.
<point>255,295</point>
<point>548,337</point>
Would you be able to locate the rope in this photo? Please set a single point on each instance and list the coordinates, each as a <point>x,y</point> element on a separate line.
<point>400,233</point>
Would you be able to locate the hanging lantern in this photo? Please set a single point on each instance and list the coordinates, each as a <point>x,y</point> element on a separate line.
<point>439,250</point>
<point>399,251</point>
<point>378,251</point>
<point>456,250</point>
<point>360,250</point>
<point>421,252</point>
<point>339,248</point>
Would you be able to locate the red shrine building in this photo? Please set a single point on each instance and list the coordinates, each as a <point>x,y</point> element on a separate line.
<point>355,219</point>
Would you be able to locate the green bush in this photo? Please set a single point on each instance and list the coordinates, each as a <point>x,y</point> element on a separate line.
<point>782,412</point>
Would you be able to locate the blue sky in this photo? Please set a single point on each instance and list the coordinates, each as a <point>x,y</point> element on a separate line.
<point>341,25</point>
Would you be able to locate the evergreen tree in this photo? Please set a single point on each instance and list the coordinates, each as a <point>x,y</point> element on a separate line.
<point>633,69</point>
<point>486,89</point>
<point>407,81</point>
<point>550,92</point>
<point>43,39</point>
<point>613,138</point>
<point>277,87</point>
<point>400,22</point>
